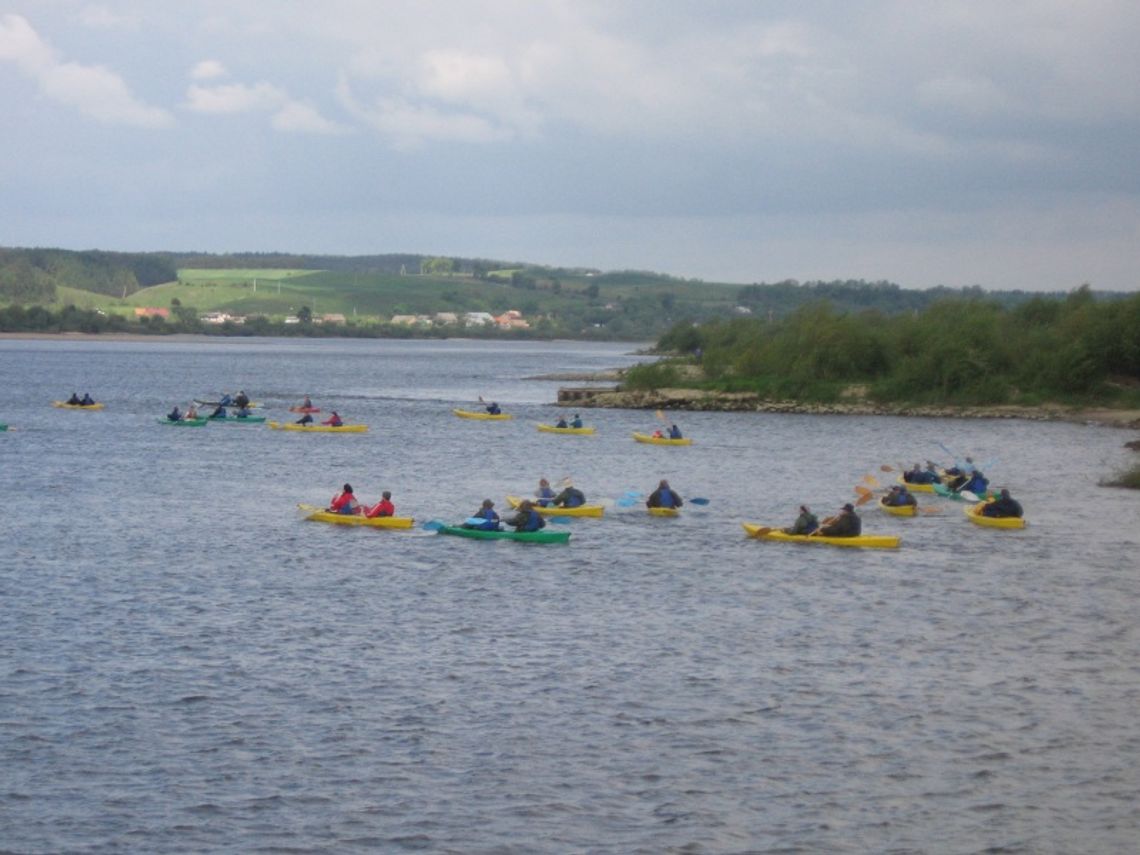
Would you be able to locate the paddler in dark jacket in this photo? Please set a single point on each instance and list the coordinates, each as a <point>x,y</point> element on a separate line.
<point>1004,506</point>
<point>805,523</point>
<point>527,518</point>
<point>571,497</point>
<point>846,524</point>
<point>544,495</point>
<point>242,400</point>
<point>663,497</point>
<point>175,414</point>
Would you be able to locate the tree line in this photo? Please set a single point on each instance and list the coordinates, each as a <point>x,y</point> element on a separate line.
<point>964,351</point>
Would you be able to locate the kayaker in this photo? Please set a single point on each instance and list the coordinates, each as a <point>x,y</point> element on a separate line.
<point>486,513</point>
<point>527,518</point>
<point>657,434</point>
<point>493,409</point>
<point>571,497</point>
<point>242,400</point>
<point>344,502</point>
<point>576,422</point>
<point>675,432</point>
<point>219,412</point>
<point>846,524</point>
<point>561,423</point>
<point>898,496</point>
<point>306,419</point>
<point>307,404</point>
<point>334,420</point>
<point>916,475</point>
<point>1003,506</point>
<point>663,497</point>
<point>977,483</point>
<point>175,414</point>
<point>74,399</point>
<point>242,413</point>
<point>805,523</point>
<point>544,494</point>
<point>87,400</point>
<point>383,508</point>
<point>191,412</point>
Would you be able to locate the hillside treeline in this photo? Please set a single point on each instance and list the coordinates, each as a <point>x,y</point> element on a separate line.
<point>964,351</point>
<point>32,275</point>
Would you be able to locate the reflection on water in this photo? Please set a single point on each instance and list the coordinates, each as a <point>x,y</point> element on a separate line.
<point>188,666</point>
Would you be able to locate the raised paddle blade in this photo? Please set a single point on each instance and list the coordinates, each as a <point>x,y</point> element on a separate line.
<point>627,501</point>
<point>698,501</point>
<point>559,520</point>
<point>930,509</point>
<point>433,525</point>
<point>966,494</point>
<point>863,499</point>
<point>872,480</point>
<point>862,491</point>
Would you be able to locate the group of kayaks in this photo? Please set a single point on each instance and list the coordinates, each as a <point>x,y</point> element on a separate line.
<point>646,438</point>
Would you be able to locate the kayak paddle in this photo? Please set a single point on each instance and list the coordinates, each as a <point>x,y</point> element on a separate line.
<point>433,525</point>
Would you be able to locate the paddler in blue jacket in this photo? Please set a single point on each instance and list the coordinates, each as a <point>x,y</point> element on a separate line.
<point>576,422</point>
<point>571,497</point>
<point>675,432</point>
<point>493,409</point>
<point>527,518</point>
<point>663,497</point>
<point>544,495</point>
<point>486,513</point>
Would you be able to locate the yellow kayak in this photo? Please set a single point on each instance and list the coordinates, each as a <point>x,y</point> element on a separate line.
<point>664,512</point>
<point>582,431</point>
<point>551,511</point>
<point>916,488</point>
<point>63,405</point>
<point>469,414</point>
<point>898,510</point>
<point>660,440</point>
<point>321,515</point>
<point>865,541</point>
<point>315,428</point>
<point>974,515</point>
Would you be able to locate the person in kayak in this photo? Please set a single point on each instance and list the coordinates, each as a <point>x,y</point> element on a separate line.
<point>493,409</point>
<point>334,420</point>
<point>242,413</point>
<point>527,518</point>
<point>219,412</point>
<point>675,432</point>
<point>344,502</point>
<point>306,419</point>
<point>544,495</point>
<point>74,400</point>
<point>899,496</point>
<point>918,475</point>
<point>576,422</point>
<point>1003,506</point>
<point>845,524</point>
<point>663,497</point>
<point>486,513</point>
<point>87,400</point>
<point>657,434</point>
<point>242,400</point>
<point>805,523</point>
<point>571,497</point>
<point>191,412</point>
<point>175,414</point>
<point>383,508</point>
<point>977,483</point>
<point>561,423</point>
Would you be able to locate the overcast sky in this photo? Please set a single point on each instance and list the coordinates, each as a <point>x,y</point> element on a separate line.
<point>994,142</point>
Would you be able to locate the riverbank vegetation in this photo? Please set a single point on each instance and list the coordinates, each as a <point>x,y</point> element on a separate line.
<point>1074,349</point>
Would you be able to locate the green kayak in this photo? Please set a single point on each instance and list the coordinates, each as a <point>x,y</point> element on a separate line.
<point>525,536</point>
<point>183,422</point>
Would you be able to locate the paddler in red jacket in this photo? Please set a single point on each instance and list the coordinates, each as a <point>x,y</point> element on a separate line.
<point>383,508</point>
<point>345,502</point>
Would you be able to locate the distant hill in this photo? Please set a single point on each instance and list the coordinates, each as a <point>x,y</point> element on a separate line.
<point>369,290</point>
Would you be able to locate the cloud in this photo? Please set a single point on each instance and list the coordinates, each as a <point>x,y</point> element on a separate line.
<point>207,69</point>
<point>288,114</point>
<point>99,17</point>
<point>93,90</point>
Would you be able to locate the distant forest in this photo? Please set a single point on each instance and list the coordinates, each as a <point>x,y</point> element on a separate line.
<point>627,305</point>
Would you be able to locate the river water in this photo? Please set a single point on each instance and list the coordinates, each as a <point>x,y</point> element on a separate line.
<point>187,665</point>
